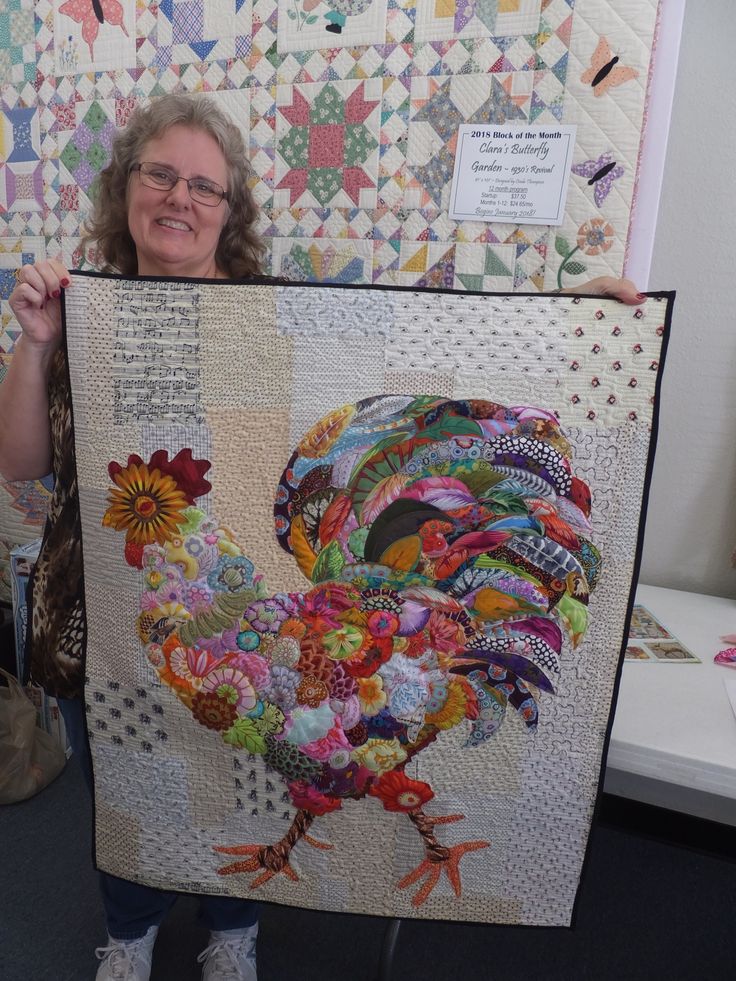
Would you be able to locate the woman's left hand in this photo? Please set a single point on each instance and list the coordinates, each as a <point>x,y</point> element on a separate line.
<point>618,289</point>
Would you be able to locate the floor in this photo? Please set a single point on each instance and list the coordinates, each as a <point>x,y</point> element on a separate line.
<point>648,910</point>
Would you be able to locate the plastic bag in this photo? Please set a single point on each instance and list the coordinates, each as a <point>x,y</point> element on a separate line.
<point>29,757</point>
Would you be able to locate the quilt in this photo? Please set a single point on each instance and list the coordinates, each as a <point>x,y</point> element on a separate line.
<point>349,109</point>
<point>358,564</point>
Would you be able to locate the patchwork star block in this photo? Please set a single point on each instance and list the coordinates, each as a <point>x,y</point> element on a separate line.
<point>439,106</point>
<point>327,139</point>
<point>430,265</point>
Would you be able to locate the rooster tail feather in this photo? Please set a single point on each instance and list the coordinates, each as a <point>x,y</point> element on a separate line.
<point>517,665</point>
<point>547,555</point>
<point>525,704</point>
<point>491,709</point>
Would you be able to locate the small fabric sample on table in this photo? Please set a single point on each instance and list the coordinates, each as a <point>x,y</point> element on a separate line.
<point>727,657</point>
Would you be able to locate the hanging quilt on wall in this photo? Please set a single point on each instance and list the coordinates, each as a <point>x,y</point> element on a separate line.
<point>350,109</point>
<point>350,112</point>
<point>357,569</point>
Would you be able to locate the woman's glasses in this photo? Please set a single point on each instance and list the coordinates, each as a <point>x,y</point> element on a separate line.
<point>201,190</point>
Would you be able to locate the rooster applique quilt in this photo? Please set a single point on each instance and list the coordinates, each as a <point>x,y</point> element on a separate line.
<point>358,564</point>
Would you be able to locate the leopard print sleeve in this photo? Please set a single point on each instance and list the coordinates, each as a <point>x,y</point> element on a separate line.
<point>56,623</point>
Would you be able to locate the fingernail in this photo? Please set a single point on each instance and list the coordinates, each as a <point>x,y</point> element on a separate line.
<point>57,294</point>
<point>641,296</point>
<point>65,282</point>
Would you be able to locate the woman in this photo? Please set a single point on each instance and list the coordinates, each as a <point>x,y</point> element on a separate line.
<point>173,201</point>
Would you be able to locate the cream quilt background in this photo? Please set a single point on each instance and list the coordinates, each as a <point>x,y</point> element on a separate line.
<point>260,365</point>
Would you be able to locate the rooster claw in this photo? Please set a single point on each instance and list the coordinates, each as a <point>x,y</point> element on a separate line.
<point>432,869</point>
<point>269,860</point>
<point>262,858</point>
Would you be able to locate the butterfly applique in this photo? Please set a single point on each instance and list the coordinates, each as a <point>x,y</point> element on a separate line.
<point>601,174</point>
<point>604,72</point>
<point>90,14</point>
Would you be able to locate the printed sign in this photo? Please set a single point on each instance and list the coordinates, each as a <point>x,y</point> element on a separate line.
<point>512,173</point>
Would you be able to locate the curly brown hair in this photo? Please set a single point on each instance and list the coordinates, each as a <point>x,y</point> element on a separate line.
<point>240,249</point>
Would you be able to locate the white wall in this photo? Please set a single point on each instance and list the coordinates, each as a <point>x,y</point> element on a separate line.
<point>691,521</point>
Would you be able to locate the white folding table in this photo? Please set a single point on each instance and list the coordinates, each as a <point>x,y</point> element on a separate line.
<point>673,742</point>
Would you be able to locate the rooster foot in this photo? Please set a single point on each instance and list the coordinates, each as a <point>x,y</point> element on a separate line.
<point>273,859</point>
<point>438,858</point>
<point>432,868</point>
<point>266,857</point>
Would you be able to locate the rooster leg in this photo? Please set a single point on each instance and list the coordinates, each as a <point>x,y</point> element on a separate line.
<point>438,858</point>
<point>272,858</point>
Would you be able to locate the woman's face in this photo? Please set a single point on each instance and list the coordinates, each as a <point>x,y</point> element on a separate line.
<point>174,235</point>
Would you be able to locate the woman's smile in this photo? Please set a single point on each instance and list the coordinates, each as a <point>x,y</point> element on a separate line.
<point>175,224</point>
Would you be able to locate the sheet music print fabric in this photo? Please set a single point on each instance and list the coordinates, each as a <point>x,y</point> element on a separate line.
<point>156,372</point>
<point>350,111</point>
<point>356,591</point>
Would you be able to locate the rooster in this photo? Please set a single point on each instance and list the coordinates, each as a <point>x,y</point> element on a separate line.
<point>448,548</point>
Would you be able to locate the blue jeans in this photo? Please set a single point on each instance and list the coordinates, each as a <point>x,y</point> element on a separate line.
<point>130,907</point>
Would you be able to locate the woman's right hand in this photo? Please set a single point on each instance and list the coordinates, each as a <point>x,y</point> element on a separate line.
<point>35,301</point>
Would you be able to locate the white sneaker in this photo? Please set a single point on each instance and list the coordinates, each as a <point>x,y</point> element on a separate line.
<point>127,960</point>
<point>230,956</point>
